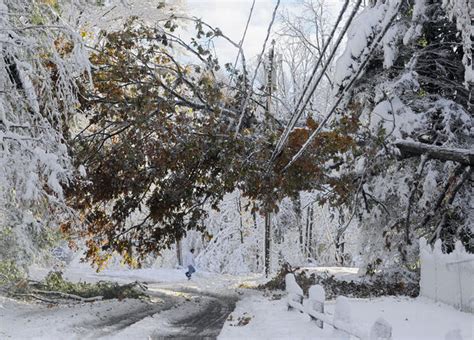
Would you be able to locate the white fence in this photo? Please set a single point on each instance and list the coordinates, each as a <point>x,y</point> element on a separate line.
<point>340,321</point>
<point>448,278</point>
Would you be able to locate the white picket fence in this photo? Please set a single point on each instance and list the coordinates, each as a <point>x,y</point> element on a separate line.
<point>340,321</point>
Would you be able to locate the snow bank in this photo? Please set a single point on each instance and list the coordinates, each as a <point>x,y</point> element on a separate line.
<point>447,277</point>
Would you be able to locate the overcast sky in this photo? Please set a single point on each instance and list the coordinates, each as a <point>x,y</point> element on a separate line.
<point>231,16</point>
<point>228,15</point>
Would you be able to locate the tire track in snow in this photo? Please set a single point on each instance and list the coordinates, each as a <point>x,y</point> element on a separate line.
<point>204,322</point>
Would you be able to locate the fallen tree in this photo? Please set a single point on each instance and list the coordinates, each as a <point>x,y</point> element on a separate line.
<point>55,289</point>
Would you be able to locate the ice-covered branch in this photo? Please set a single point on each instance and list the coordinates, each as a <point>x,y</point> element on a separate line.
<point>412,149</point>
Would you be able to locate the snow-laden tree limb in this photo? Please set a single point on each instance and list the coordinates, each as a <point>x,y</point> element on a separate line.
<point>412,149</point>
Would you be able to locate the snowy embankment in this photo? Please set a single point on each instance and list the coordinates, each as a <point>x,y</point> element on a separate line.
<point>260,317</point>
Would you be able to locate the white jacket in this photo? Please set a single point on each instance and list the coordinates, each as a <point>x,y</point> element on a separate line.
<point>189,260</point>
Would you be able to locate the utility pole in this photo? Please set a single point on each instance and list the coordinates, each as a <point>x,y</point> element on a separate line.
<point>269,89</point>
<point>270,82</point>
<point>255,226</point>
<point>306,245</point>
<point>268,235</point>
<point>178,252</point>
<point>311,225</point>
<point>241,226</point>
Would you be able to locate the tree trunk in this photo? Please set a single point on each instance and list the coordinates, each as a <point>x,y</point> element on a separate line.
<point>300,229</point>
<point>413,193</point>
<point>339,251</point>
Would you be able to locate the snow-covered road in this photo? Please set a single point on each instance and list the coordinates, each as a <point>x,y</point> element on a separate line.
<point>178,308</point>
<point>203,320</point>
<point>170,313</point>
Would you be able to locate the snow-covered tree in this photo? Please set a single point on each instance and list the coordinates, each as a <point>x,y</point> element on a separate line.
<point>406,71</point>
<point>41,58</point>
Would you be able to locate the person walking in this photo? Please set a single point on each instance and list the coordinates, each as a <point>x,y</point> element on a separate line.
<point>190,263</point>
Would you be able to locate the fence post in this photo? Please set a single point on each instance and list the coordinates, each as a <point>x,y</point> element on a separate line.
<point>342,315</point>
<point>381,330</point>
<point>317,296</point>
<point>295,293</point>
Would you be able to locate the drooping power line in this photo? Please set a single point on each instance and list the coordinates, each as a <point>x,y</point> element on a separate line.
<point>260,57</point>
<point>344,90</point>
<point>241,43</point>
<point>299,112</point>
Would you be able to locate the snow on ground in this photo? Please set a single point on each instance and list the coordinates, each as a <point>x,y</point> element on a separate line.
<point>411,319</point>
<point>21,320</point>
<point>176,308</point>
<point>163,277</point>
<point>269,319</point>
<point>179,306</point>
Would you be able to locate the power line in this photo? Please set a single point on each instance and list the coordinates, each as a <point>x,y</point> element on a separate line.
<point>239,52</point>
<point>243,39</point>
<point>295,116</point>
<point>344,90</point>
<point>315,85</point>
<point>247,97</point>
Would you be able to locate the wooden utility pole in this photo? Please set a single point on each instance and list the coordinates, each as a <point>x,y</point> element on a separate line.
<point>254,216</point>
<point>270,81</point>
<point>268,235</point>
<point>306,241</point>
<point>241,226</point>
<point>311,225</point>
<point>178,252</point>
